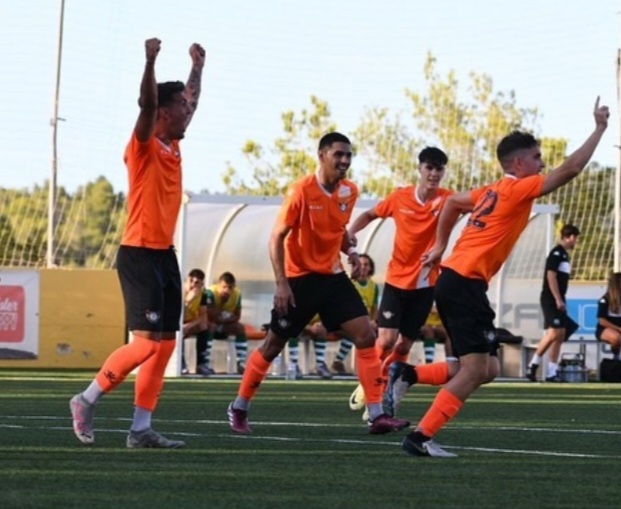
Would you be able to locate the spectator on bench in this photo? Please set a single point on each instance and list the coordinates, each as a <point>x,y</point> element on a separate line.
<point>224,307</point>
<point>195,318</point>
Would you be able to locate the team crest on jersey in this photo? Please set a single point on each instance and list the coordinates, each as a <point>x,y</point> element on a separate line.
<point>388,314</point>
<point>152,316</point>
<point>343,207</point>
<point>283,323</point>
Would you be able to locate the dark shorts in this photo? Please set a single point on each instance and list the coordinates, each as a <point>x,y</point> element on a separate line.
<point>553,317</point>
<point>151,285</point>
<point>406,310</point>
<point>333,296</point>
<point>465,311</point>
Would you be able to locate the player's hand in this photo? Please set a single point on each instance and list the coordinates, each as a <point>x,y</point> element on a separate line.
<point>601,114</point>
<point>353,240</point>
<point>197,54</point>
<point>560,305</point>
<point>354,262</point>
<point>152,48</point>
<point>283,298</point>
<point>432,257</point>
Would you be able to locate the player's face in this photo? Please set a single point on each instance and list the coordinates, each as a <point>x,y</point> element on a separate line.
<point>430,175</point>
<point>530,162</point>
<point>177,114</point>
<point>225,289</point>
<point>365,268</point>
<point>194,282</point>
<point>572,241</point>
<point>335,160</point>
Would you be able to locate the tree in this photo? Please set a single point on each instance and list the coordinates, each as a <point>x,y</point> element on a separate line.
<point>291,156</point>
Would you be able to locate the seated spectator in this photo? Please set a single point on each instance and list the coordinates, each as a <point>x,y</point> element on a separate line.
<point>195,322</point>
<point>608,327</point>
<point>369,291</point>
<point>433,332</point>
<point>224,307</point>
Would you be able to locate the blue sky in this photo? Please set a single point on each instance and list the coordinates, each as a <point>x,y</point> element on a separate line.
<point>270,56</point>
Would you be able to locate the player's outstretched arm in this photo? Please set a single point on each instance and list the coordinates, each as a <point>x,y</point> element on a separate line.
<point>575,163</point>
<point>145,125</point>
<point>193,85</point>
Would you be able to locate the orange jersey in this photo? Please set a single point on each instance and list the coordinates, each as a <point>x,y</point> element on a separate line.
<point>415,233</point>
<point>317,220</point>
<point>154,197</point>
<point>500,214</point>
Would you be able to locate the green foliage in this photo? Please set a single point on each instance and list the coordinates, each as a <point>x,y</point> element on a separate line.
<point>88,226</point>
<point>293,152</point>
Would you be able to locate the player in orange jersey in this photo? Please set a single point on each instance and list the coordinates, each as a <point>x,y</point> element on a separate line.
<point>499,212</point>
<point>407,297</point>
<point>146,261</point>
<point>305,249</point>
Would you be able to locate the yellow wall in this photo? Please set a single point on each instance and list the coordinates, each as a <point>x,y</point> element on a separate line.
<point>81,319</point>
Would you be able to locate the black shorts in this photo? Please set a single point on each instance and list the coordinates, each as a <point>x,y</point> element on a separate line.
<point>406,310</point>
<point>553,317</point>
<point>465,311</point>
<point>333,296</point>
<point>151,285</point>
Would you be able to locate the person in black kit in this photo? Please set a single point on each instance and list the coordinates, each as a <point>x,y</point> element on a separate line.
<point>555,282</point>
<point>608,327</point>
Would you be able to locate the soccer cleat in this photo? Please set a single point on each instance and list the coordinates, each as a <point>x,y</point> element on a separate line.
<point>365,415</point>
<point>532,372</point>
<point>82,415</point>
<point>339,368</point>
<point>205,370</point>
<point>149,439</point>
<point>357,400</point>
<point>323,371</point>
<point>397,386</point>
<point>416,447</point>
<point>238,420</point>
<point>385,424</point>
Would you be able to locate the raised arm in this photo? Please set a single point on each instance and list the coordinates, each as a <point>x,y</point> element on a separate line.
<point>193,85</point>
<point>575,163</point>
<point>145,125</point>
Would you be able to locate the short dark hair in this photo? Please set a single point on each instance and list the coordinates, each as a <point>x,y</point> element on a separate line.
<point>166,92</point>
<point>328,139</point>
<point>197,273</point>
<point>515,140</point>
<point>228,278</point>
<point>371,262</point>
<point>433,156</point>
<point>568,230</point>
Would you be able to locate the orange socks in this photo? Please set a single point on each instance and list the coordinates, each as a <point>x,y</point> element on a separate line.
<point>444,407</point>
<point>370,374</point>
<point>390,358</point>
<point>123,360</point>
<point>432,374</point>
<point>256,369</point>
<point>150,378</point>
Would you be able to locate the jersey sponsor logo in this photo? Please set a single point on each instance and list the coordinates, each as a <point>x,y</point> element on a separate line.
<point>564,267</point>
<point>407,211</point>
<point>315,207</point>
<point>344,191</point>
